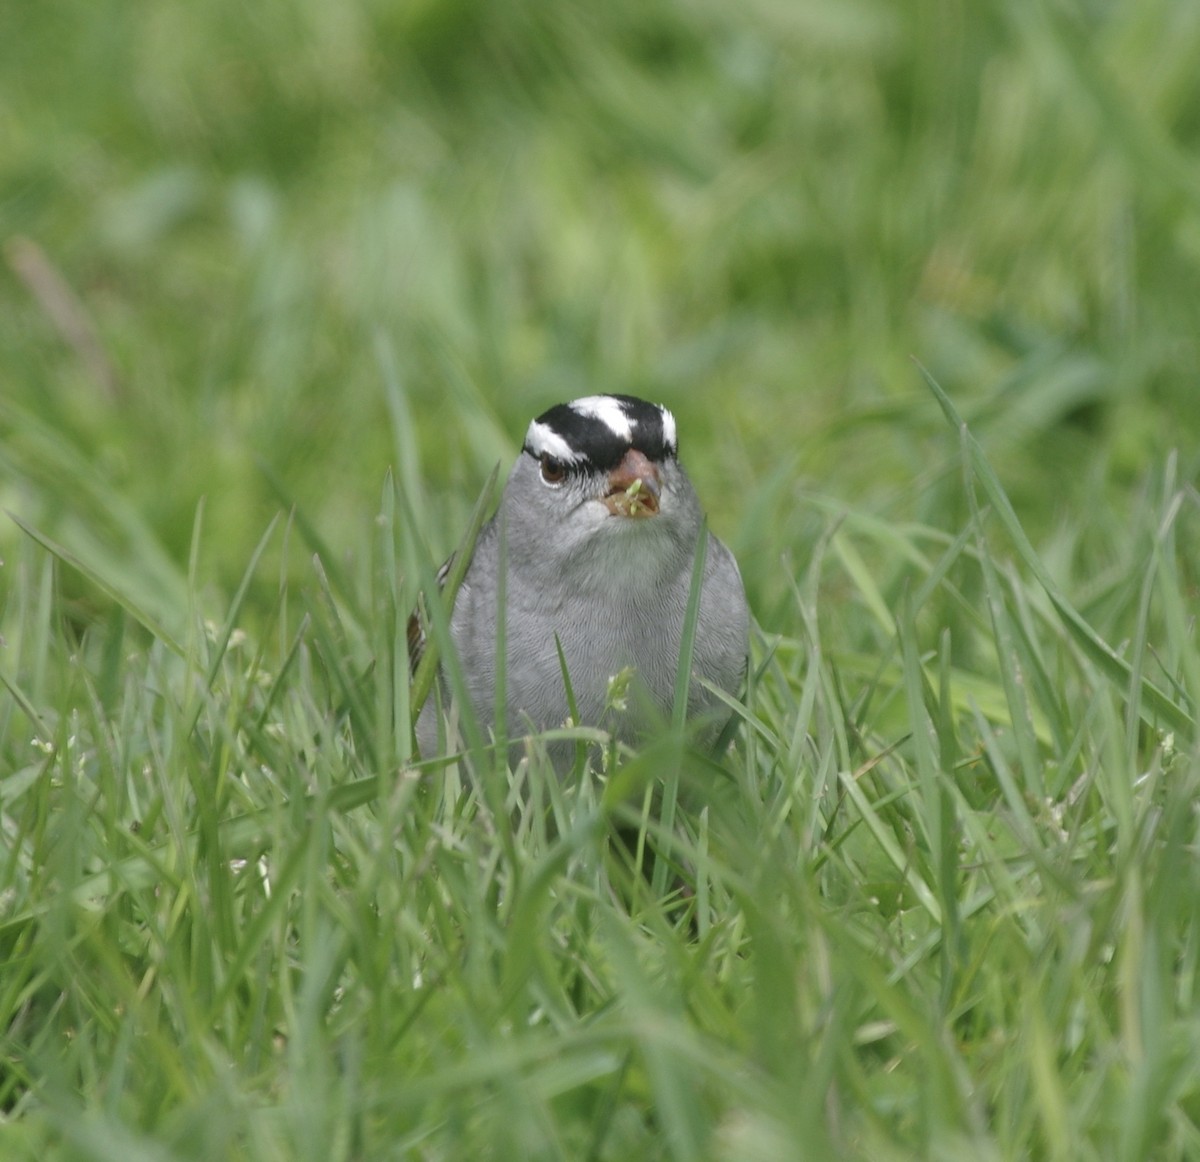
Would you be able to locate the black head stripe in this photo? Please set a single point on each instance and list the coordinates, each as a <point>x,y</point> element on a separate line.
<point>595,432</point>
<point>653,427</point>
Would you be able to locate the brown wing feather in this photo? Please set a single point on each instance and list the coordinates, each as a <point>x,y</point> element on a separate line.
<point>416,636</point>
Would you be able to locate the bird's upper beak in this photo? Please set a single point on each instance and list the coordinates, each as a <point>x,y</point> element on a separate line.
<point>633,487</point>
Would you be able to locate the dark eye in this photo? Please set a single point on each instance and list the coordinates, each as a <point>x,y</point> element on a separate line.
<point>553,471</point>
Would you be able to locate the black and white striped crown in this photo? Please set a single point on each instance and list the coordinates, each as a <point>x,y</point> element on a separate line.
<point>596,431</point>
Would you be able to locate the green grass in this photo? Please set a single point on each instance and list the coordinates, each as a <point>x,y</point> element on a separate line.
<point>921,283</point>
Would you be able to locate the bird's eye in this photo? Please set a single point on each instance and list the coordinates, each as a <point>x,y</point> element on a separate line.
<point>553,471</point>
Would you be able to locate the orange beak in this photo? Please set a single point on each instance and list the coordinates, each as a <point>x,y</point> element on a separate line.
<point>634,487</point>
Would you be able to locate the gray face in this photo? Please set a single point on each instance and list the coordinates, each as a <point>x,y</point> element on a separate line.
<point>599,484</point>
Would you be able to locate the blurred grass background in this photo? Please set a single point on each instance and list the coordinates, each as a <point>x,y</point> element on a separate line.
<point>760,215</point>
<point>262,255</point>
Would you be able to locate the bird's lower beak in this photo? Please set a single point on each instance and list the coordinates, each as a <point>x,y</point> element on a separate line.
<point>634,487</point>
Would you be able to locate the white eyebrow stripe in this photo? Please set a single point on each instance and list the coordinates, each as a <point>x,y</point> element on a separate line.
<point>543,440</point>
<point>610,412</point>
<point>670,438</point>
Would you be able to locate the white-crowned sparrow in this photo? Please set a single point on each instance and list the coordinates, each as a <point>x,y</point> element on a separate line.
<point>601,526</point>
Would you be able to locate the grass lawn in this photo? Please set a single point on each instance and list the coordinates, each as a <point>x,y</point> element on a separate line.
<point>282,284</point>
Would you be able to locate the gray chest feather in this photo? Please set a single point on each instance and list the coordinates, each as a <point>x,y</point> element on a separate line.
<point>603,630</point>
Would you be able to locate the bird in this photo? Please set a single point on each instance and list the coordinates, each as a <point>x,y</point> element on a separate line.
<point>598,530</point>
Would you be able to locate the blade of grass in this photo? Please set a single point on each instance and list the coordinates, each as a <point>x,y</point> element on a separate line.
<point>235,608</point>
<point>679,710</point>
<point>145,619</point>
<point>337,579</point>
<point>1008,661</point>
<point>427,667</point>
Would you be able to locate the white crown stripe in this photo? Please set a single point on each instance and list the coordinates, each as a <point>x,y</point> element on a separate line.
<point>610,412</point>
<point>543,440</point>
<point>670,437</point>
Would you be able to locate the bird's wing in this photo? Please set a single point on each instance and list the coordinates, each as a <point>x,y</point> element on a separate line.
<point>419,618</point>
